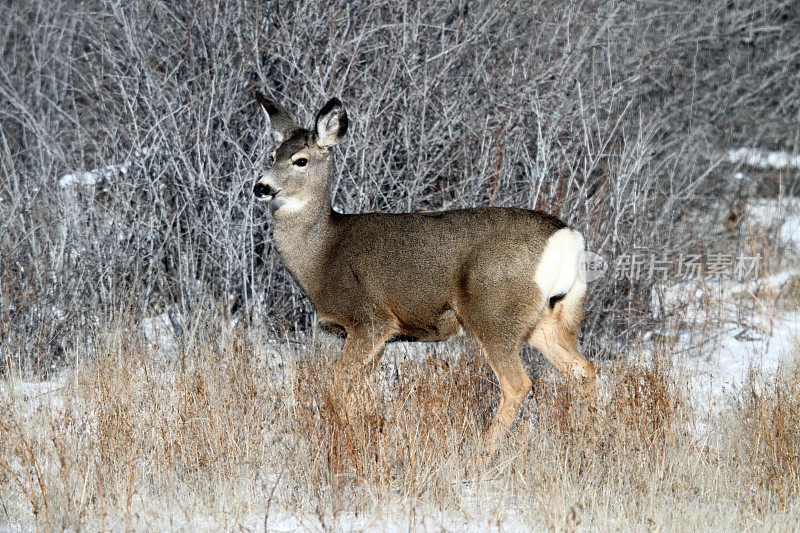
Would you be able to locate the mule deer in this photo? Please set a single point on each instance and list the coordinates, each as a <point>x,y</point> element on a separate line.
<point>504,275</point>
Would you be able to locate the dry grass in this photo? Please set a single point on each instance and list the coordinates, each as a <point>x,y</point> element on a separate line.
<point>398,434</point>
<point>227,436</point>
<point>766,434</point>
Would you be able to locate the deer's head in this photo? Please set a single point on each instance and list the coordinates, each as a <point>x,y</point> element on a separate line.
<point>300,166</point>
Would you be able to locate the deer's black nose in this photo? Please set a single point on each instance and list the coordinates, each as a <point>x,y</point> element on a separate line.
<point>263,191</point>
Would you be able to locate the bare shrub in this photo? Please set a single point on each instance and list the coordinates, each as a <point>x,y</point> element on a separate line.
<point>609,115</point>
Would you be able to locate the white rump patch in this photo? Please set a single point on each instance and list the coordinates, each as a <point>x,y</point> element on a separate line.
<point>559,265</point>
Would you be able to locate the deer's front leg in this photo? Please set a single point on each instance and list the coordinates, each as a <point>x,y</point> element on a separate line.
<point>361,352</point>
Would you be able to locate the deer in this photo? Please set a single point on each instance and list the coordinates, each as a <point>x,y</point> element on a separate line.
<point>503,275</point>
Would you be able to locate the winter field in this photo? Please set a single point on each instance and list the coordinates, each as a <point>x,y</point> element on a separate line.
<point>160,370</point>
<point>226,429</point>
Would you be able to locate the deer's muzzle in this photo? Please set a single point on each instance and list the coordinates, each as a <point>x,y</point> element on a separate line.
<point>263,191</point>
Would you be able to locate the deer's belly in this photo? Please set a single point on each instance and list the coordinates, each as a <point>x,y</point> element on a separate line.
<point>441,327</point>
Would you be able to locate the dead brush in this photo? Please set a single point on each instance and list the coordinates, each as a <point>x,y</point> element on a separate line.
<point>398,431</point>
<point>130,421</point>
<point>766,436</point>
<point>640,413</point>
<point>45,469</point>
<point>20,468</point>
<point>643,412</point>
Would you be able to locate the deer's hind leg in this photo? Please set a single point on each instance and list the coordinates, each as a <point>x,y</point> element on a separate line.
<point>500,334</point>
<point>514,386</point>
<point>555,335</point>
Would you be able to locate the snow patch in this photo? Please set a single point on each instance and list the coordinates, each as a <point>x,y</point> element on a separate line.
<point>790,231</point>
<point>717,340</point>
<point>160,332</point>
<point>756,157</point>
<point>782,214</point>
<point>91,177</point>
<point>771,211</point>
<point>728,362</point>
<point>395,520</point>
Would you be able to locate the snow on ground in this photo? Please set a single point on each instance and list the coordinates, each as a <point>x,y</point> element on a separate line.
<point>695,302</point>
<point>91,177</point>
<point>718,341</point>
<point>394,520</point>
<point>769,212</point>
<point>35,392</point>
<point>727,362</point>
<point>759,158</point>
<point>783,214</point>
<point>160,332</point>
<point>790,231</point>
<point>721,329</point>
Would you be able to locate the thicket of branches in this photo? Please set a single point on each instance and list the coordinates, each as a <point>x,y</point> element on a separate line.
<point>610,114</point>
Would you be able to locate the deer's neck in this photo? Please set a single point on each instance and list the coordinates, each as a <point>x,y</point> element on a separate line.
<point>303,236</point>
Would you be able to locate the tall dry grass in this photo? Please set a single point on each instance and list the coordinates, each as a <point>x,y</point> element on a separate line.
<point>226,434</point>
<point>765,434</point>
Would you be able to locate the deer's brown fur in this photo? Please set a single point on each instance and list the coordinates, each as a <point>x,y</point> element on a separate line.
<point>504,275</point>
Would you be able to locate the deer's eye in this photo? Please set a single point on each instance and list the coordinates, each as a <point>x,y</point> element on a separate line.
<point>301,162</point>
<point>271,159</point>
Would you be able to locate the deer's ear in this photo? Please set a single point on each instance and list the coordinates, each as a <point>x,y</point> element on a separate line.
<point>282,122</point>
<point>331,123</point>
